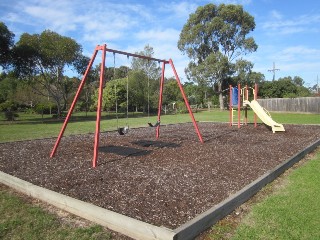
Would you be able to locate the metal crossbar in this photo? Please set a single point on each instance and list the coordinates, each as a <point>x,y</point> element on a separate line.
<point>104,49</point>
<point>136,55</point>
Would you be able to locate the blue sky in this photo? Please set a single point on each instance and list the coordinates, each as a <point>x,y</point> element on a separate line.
<point>287,31</point>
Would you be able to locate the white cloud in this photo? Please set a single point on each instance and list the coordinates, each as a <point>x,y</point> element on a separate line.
<point>279,25</point>
<point>179,10</point>
<point>275,15</point>
<point>298,53</point>
<point>240,2</point>
<point>54,15</point>
<point>297,60</point>
<point>154,35</point>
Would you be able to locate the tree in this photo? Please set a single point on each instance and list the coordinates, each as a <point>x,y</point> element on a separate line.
<point>6,43</point>
<point>138,89</point>
<point>283,88</point>
<point>42,60</point>
<point>243,70</point>
<point>171,92</point>
<point>88,91</point>
<point>298,81</point>
<point>315,90</point>
<point>256,77</point>
<point>150,68</point>
<point>143,85</point>
<point>114,95</point>
<point>8,86</point>
<point>214,37</point>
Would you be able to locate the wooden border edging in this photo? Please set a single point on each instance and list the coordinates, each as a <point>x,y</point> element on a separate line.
<point>112,220</point>
<point>208,218</point>
<point>145,231</point>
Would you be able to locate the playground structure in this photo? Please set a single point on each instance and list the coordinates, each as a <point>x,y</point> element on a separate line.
<point>104,49</point>
<point>239,98</point>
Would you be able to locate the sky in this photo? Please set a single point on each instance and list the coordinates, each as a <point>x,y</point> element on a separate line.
<point>287,31</point>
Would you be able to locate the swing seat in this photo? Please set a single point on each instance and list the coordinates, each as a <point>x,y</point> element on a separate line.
<point>123,130</point>
<point>155,125</point>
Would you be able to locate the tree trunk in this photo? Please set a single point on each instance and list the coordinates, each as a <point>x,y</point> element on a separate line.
<point>58,110</point>
<point>64,108</point>
<point>221,102</point>
<point>57,101</point>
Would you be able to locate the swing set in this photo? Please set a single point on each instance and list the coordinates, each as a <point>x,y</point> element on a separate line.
<point>121,130</point>
<point>124,130</point>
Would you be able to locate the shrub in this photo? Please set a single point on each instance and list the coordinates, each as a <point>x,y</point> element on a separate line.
<point>10,115</point>
<point>181,107</point>
<point>8,106</point>
<point>44,108</point>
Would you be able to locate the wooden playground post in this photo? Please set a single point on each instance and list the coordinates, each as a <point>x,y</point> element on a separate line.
<point>239,104</point>
<point>246,97</point>
<point>255,96</point>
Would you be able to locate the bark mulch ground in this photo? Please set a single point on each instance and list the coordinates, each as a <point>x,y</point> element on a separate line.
<point>165,182</point>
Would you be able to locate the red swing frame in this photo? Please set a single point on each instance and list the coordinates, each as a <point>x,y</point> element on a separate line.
<point>104,49</point>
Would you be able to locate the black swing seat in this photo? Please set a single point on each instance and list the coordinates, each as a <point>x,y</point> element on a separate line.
<point>123,130</point>
<point>155,125</point>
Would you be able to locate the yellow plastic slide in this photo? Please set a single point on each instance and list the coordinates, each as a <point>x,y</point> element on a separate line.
<point>264,115</point>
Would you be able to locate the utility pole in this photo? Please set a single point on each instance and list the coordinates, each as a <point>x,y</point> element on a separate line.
<point>317,85</point>
<point>274,69</point>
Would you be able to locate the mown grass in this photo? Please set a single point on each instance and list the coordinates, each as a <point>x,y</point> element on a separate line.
<point>292,212</point>
<point>34,126</point>
<point>22,220</point>
<point>287,209</point>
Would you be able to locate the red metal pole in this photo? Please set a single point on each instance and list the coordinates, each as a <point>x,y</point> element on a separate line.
<point>239,104</point>
<point>97,133</point>
<point>255,96</point>
<point>160,98</point>
<point>230,106</point>
<point>186,101</point>
<point>74,102</point>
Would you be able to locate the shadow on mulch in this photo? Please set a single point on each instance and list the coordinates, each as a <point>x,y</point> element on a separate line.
<point>124,150</point>
<point>132,151</point>
<point>156,144</point>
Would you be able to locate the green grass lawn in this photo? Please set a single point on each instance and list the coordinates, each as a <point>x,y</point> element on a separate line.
<point>29,126</point>
<point>23,220</point>
<point>292,212</point>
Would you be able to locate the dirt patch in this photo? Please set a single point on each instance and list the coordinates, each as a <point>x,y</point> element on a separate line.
<point>165,182</point>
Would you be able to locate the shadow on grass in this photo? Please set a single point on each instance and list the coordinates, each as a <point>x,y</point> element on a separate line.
<point>74,118</point>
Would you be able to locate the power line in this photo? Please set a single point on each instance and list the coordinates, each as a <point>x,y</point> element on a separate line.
<point>274,69</point>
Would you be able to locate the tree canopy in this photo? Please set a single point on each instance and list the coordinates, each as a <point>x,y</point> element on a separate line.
<point>286,87</point>
<point>6,43</point>
<point>214,38</point>
<point>44,58</point>
<point>149,68</point>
